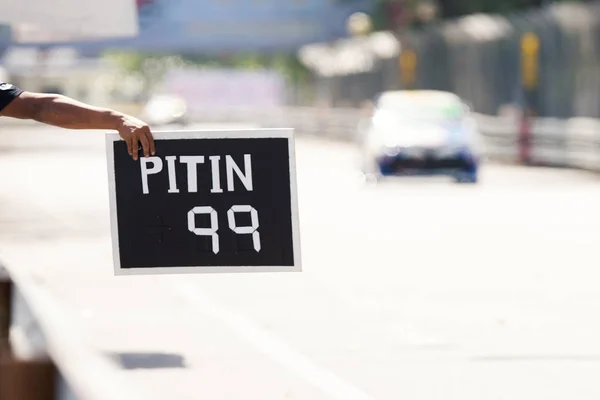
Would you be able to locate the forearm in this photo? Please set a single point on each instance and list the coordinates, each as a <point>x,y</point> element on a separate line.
<point>64,112</point>
<point>68,113</point>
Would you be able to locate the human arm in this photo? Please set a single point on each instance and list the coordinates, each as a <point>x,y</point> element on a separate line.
<point>65,112</point>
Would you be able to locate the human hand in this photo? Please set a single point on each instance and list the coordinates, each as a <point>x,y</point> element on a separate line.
<point>134,131</point>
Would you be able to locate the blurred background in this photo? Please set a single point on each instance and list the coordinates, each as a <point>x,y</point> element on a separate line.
<point>508,61</point>
<point>412,287</point>
<point>337,53</point>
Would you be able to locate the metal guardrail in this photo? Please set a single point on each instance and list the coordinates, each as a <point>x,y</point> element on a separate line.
<point>571,143</point>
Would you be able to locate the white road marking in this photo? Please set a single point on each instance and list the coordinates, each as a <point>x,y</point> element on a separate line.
<point>272,346</point>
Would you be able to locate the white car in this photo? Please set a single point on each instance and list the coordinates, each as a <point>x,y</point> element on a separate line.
<point>163,109</point>
<point>421,133</point>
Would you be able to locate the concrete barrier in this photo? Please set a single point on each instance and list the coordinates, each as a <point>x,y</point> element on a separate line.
<point>42,346</point>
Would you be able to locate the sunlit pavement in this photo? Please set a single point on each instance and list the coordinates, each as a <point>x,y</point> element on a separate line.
<point>411,289</point>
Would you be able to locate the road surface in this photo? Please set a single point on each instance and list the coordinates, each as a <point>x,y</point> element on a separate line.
<point>411,289</point>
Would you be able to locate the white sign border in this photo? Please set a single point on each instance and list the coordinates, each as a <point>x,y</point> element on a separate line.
<point>287,133</point>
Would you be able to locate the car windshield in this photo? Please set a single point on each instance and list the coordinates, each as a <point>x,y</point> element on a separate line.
<point>411,115</point>
<point>421,108</point>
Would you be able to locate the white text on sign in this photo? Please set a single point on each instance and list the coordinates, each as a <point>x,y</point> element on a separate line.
<point>214,224</point>
<point>154,165</point>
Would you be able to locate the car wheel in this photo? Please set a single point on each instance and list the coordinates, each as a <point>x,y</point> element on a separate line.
<point>369,171</point>
<point>371,178</point>
<point>184,122</point>
<point>466,177</point>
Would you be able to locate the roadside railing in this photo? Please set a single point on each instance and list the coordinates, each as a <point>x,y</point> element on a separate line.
<point>572,143</point>
<point>548,141</point>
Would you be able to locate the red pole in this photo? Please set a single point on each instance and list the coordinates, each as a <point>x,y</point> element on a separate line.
<point>525,138</point>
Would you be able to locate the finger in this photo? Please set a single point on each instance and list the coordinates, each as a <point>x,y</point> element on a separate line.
<point>134,147</point>
<point>145,144</point>
<point>151,140</point>
<point>128,142</point>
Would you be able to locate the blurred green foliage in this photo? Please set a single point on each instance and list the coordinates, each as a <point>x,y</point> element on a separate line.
<point>151,67</point>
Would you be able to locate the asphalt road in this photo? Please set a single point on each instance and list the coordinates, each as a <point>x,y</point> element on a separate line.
<point>415,289</point>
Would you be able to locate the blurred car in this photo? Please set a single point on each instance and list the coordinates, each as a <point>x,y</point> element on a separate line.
<point>413,133</point>
<point>165,109</point>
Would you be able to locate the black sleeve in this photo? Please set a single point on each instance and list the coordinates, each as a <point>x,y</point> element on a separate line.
<point>8,93</point>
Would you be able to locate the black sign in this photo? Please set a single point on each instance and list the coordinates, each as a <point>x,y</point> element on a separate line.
<point>208,201</point>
